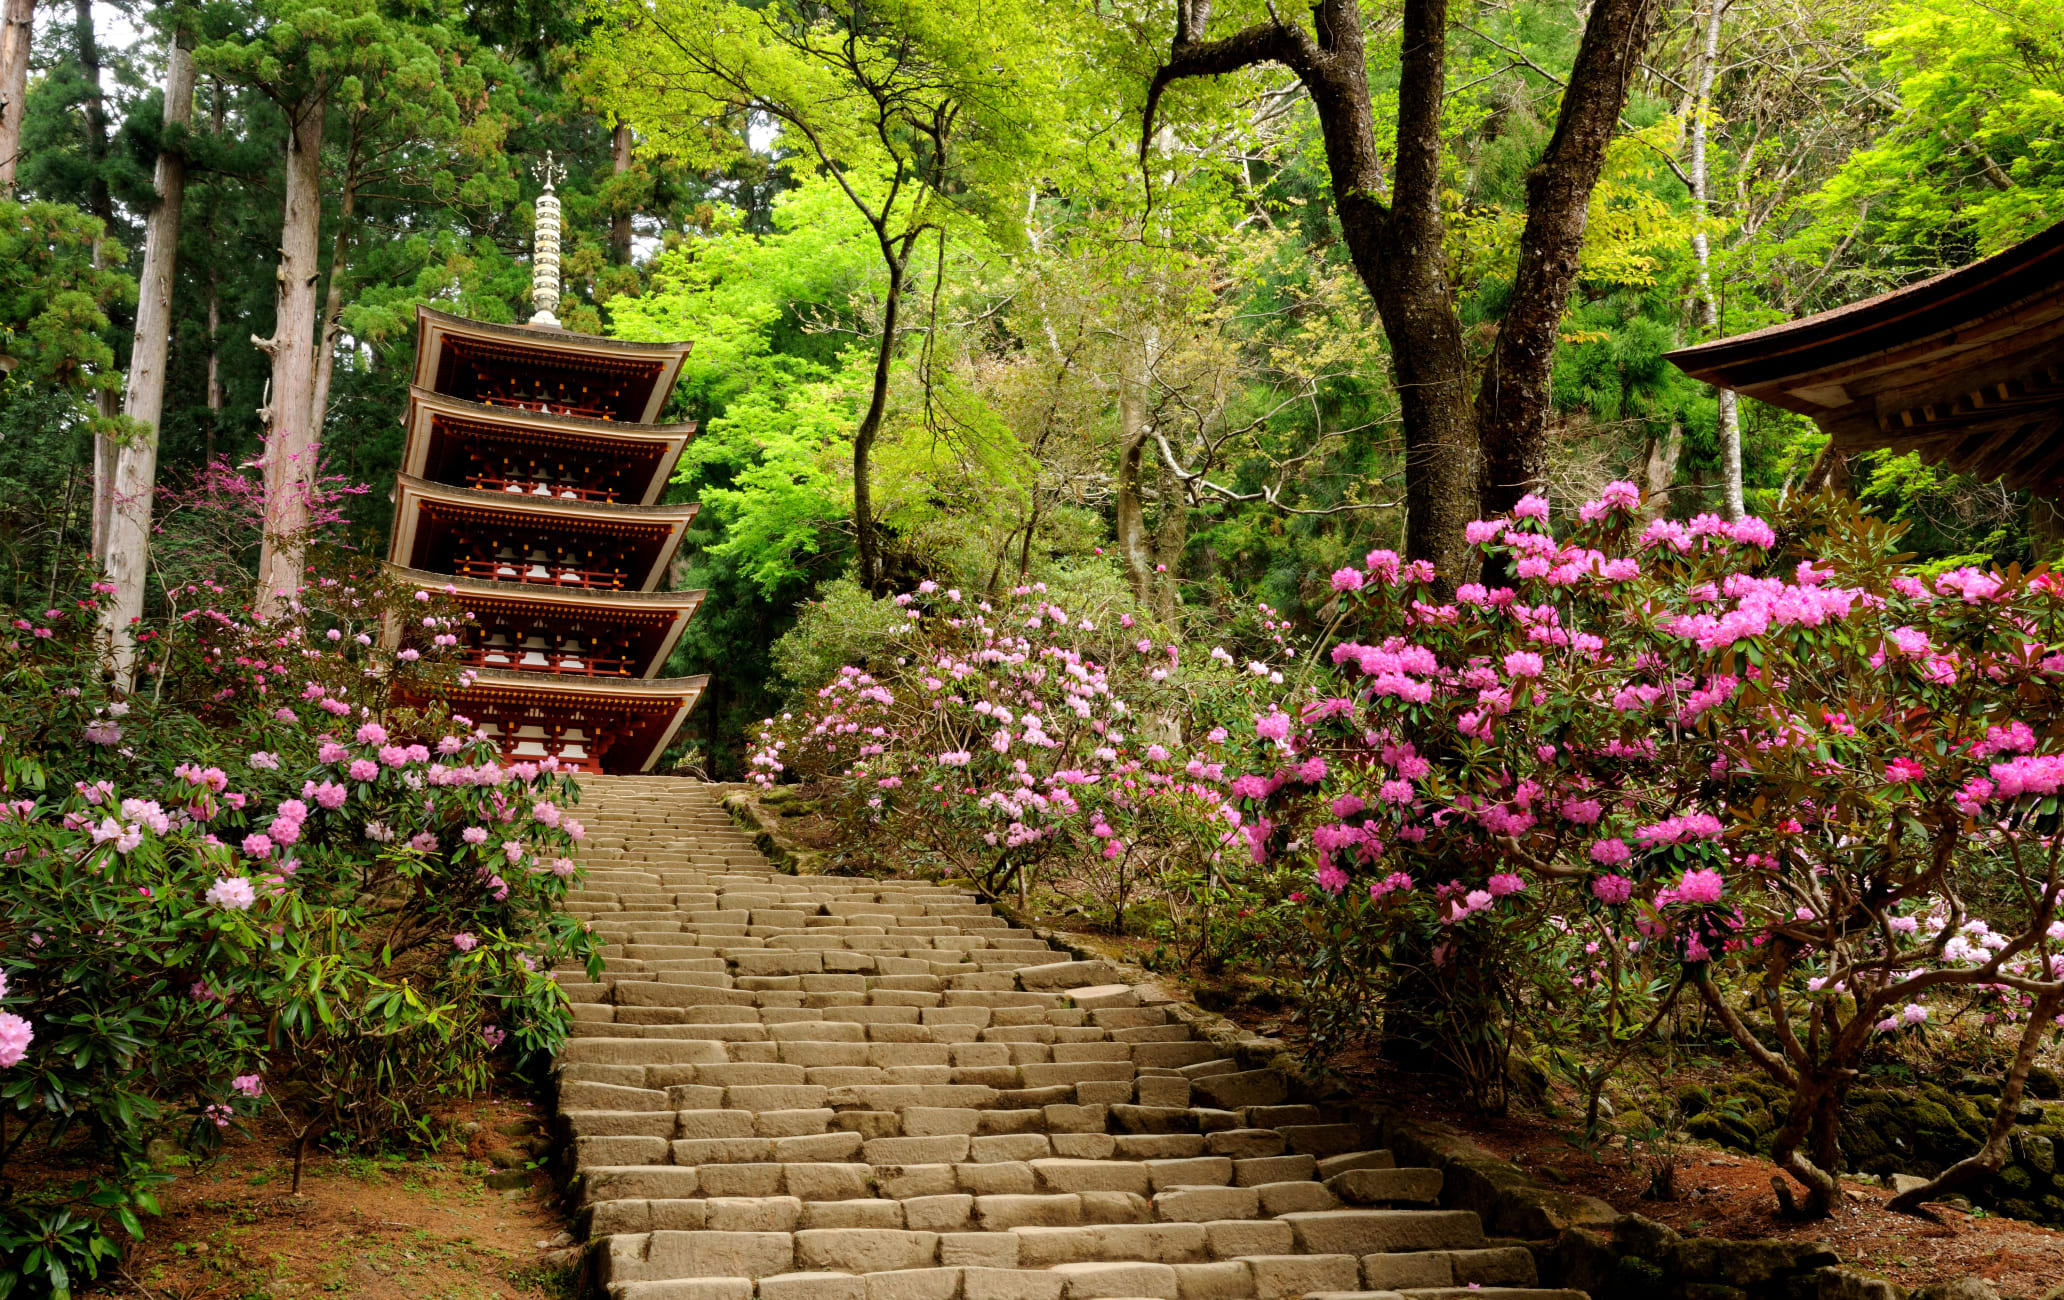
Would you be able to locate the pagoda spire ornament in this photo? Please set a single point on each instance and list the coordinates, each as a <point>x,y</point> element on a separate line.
<point>544,264</point>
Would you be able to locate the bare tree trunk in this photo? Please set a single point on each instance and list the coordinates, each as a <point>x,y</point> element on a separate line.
<point>1129,526</point>
<point>1659,469</point>
<point>17,31</point>
<point>1729,417</point>
<point>216,399</point>
<point>1398,250</point>
<point>136,465</point>
<point>620,144</point>
<point>866,542</point>
<point>100,202</point>
<point>292,443</point>
<point>1830,472</point>
<point>333,311</point>
<point>1171,534</point>
<point>1513,405</point>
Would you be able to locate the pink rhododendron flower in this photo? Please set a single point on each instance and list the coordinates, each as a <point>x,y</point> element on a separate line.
<point>1904,769</point>
<point>1611,853</point>
<point>1332,879</point>
<point>1506,882</point>
<point>1523,663</point>
<point>232,894</point>
<point>474,835</point>
<point>250,1085</point>
<point>372,733</point>
<point>363,769</point>
<point>1612,890</point>
<point>465,941</point>
<point>15,1036</point>
<point>1700,887</point>
<point>1531,506</point>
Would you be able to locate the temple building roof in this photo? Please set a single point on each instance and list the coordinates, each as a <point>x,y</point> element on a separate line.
<point>596,725</point>
<point>448,439</point>
<point>648,623</point>
<point>533,367</point>
<point>436,525</point>
<point>1965,368</point>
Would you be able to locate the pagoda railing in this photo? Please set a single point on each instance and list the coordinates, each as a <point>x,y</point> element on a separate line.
<point>549,407</point>
<point>560,663</point>
<point>540,573</point>
<point>529,488</point>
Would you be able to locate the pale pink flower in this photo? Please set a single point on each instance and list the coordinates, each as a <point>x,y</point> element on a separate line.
<point>232,894</point>
<point>15,1036</point>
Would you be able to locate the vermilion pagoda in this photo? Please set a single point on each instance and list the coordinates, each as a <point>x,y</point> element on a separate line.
<point>528,490</point>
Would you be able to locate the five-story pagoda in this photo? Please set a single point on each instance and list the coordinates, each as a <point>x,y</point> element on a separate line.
<point>529,490</point>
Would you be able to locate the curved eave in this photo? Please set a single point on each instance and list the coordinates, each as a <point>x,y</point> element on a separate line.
<point>411,494</point>
<point>434,327</point>
<point>426,404</point>
<point>574,600</point>
<point>1982,305</point>
<point>680,693</point>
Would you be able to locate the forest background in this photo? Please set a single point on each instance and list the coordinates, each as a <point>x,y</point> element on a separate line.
<point>1070,354</point>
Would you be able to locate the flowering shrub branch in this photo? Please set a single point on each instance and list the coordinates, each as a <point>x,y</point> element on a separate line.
<point>261,880</point>
<point>1768,764</point>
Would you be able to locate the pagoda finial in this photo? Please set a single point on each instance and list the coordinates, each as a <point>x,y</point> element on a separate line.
<point>544,265</point>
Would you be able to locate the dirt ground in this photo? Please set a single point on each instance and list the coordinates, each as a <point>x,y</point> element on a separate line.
<point>1721,1193</point>
<point>426,1227</point>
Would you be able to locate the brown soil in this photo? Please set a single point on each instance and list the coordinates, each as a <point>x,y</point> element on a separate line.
<point>1721,1193</point>
<point>424,1226</point>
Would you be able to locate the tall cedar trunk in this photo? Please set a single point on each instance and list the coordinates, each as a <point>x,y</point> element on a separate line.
<point>136,467</point>
<point>1398,250</point>
<point>216,398</point>
<point>17,31</point>
<point>333,311</point>
<point>292,446</point>
<point>101,204</point>
<point>865,540</point>
<point>620,225</point>
<point>1659,469</point>
<point>1728,418</point>
<point>1513,405</point>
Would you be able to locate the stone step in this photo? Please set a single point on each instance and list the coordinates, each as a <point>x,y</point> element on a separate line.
<point>786,1088</point>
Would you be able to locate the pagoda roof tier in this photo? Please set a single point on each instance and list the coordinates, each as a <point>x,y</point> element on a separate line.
<point>648,624</point>
<point>615,727</point>
<point>433,523</point>
<point>1966,368</point>
<point>532,366</point>
<point>635,460</point>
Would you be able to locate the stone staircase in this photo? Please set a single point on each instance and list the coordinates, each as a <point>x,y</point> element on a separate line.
<point>815,1088</point>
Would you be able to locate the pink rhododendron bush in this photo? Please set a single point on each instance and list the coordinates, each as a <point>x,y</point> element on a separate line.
<point>256,882</point>
<point>1768,767</point>
<point>1014,738</point>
